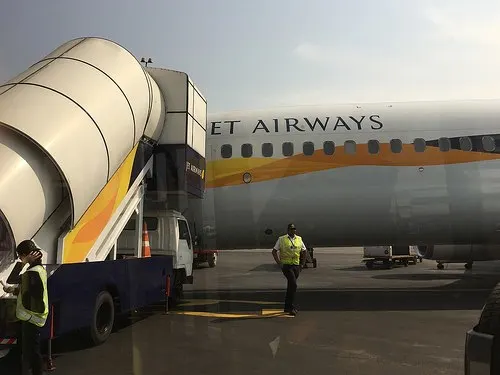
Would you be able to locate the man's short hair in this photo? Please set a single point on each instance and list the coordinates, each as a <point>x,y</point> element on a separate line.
<point>25,247</point>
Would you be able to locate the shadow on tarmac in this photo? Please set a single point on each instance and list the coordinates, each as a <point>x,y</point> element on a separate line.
<point>376,299</point>
<point>266,268</point>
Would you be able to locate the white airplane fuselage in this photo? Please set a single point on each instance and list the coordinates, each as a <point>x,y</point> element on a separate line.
<point>370,174</point>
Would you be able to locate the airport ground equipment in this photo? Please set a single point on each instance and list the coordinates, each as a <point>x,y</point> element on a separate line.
<point>482,343</point>
<point>390,255</point>
<point>205,256</point>
<point>467,254</point>
<point>440,264</point>
<point>202,254</point>
<point>310,259</point>
<point>89,141</point>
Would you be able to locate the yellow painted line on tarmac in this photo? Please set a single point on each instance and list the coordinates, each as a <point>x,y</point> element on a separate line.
<point>259,314</point>
<point>275,313</point>
<point>263,314</point>
<point>199,302</point>
<point>254,302</point>
<point>213,315</point>
<point>204,302</point>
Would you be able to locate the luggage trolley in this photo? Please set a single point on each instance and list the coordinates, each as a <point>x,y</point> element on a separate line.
<point>390,255</point>
<point>310,259</point>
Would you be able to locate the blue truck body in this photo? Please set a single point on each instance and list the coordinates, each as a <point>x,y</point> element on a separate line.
<point>133,283</point>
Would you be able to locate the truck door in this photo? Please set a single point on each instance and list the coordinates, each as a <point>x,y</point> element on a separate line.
<point>185,246</point>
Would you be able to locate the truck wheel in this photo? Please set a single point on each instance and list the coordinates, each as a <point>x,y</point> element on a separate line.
<point>212,261</point>
<point>102,319</point>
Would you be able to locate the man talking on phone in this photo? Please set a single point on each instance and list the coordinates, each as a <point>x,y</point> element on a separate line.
<point>32,304</point>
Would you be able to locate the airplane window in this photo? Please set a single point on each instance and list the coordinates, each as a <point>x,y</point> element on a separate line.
<point>287,149</point>
<point>465,144</point>
<point>396,146</point>
<point>419,144</point>
<point>489,143</point>
<point>350,147</point>
<point>373,146</point>
<point>328,147</point>
<point>308,148</point>
<point>444,144</point>
<point>246,150</point>
<point>267,150</point>
<point>226,151</point>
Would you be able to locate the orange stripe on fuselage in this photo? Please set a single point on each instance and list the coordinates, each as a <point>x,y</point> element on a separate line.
<point>228,172</point>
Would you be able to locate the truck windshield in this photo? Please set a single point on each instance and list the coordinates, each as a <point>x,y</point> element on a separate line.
<point>151,222</point>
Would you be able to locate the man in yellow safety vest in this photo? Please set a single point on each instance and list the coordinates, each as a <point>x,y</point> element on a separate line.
<point>290,246</point>
<point>32,304</point>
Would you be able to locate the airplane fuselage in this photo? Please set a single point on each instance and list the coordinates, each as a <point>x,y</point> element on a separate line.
<point>401,173</point>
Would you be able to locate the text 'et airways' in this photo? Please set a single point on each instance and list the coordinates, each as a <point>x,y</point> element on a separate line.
<point>292,124</point>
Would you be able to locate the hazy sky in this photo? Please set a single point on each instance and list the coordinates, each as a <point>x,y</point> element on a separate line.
<point>263,53</point>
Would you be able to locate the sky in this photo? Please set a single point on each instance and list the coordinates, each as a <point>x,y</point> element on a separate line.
<point>267,53</point>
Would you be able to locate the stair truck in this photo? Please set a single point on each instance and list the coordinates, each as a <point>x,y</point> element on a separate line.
<point>83,132</point>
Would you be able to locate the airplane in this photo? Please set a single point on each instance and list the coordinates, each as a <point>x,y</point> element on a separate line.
<point>404,173</point>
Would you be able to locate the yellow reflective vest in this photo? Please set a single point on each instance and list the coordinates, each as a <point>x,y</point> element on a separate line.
<point>290,249</point>
<point>23,313</point>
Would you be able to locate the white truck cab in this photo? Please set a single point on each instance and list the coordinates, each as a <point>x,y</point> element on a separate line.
<point>169,234</point>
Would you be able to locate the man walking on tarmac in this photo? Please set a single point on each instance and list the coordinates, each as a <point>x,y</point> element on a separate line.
<point>32,304</point>
<point>290,246</point>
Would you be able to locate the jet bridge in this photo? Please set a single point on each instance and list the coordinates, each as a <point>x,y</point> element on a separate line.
<point>77,134</point>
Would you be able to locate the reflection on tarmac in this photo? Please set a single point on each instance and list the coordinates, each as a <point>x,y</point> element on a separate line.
<point>352,320</point>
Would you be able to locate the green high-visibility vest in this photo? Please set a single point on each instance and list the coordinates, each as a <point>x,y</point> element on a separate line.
<point>290,249</point>
<point>23,313</point>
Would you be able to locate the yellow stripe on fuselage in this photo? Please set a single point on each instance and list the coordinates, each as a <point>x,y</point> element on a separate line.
<point>229,172</point>
<point>80,240</point>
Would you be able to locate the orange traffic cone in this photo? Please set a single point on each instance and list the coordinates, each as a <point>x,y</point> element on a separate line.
<point>146,249</point>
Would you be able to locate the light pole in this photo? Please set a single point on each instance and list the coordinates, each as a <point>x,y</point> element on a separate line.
<point>143,60</point>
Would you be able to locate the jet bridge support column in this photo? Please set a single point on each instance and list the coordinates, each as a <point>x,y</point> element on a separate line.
<point>180,154</point>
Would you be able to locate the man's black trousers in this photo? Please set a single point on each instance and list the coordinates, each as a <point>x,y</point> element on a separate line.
<point>291,273</point>
<point>30,360</point>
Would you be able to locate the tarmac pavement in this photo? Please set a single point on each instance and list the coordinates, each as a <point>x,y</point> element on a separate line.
<point>405,320</point>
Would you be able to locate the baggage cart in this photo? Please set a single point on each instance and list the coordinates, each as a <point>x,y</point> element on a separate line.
<point>310,259</point>
<point>390,255</point>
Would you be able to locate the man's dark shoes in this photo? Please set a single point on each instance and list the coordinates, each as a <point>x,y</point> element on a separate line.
<point>291,312</point>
